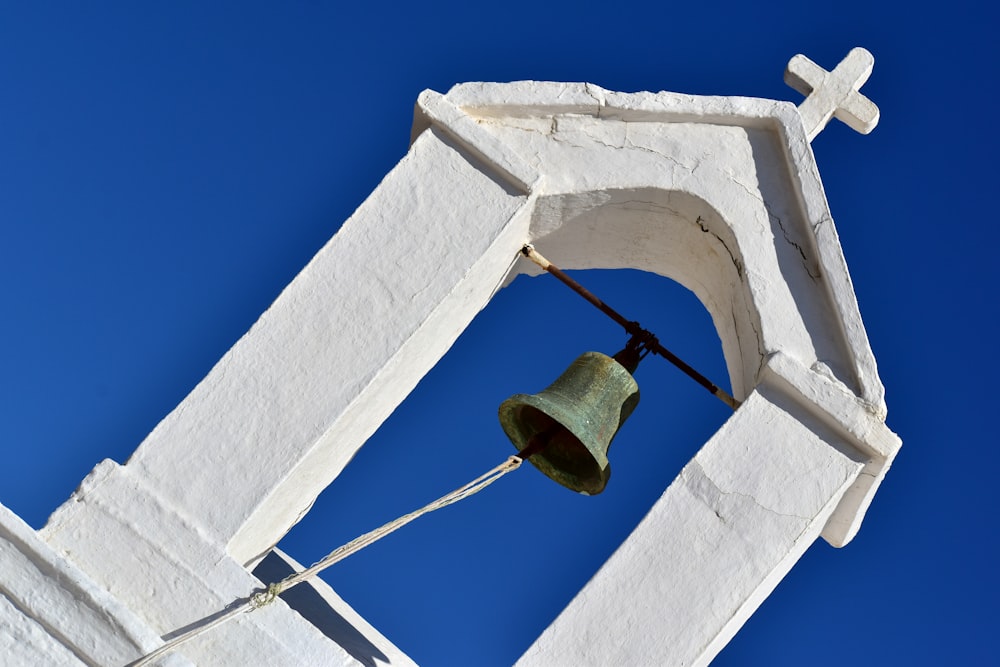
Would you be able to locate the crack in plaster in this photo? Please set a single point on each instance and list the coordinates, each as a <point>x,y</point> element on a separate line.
<point>753,192</point>
<point>629,143</point>
<point>757,195</point>
<point>554,133</point>
<point>694,487</point>
<point>700,221</point>
<point>649,206</point>
<point>819,223</point>
<point>521,125</point>
<point>784,232</point>
<point>535,158</point>
<point>420,292</point>
<point>599,99</point>
<point>761,354</point>
<point>601,141</point>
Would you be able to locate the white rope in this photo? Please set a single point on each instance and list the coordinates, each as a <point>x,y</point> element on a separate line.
<point>271,592</point>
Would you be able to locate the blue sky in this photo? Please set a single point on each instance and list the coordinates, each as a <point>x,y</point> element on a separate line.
<point>165,171</point>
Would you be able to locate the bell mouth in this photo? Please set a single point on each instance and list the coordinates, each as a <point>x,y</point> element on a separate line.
<point>564,458</point>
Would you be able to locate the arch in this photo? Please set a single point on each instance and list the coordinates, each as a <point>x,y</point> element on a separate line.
<point>669,233</point>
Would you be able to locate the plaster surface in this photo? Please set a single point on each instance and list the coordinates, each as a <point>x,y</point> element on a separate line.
<point>738,517</point>
<point>720,194</point>
<point>53,613</point>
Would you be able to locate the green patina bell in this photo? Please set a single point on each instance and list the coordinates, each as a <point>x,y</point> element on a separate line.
<point>566,430</point>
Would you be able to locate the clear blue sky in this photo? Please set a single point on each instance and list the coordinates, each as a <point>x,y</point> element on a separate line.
<point>165,170</point>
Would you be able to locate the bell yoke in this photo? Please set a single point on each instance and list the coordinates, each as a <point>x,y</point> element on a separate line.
<point>567,429</point>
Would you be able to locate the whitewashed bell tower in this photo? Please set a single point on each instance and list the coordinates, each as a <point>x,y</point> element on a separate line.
<point>721,194</point>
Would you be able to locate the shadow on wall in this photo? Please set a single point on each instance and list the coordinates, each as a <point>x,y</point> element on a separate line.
<point>314,608</point>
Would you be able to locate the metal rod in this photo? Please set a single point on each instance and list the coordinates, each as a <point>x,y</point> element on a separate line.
<point>631,327</point>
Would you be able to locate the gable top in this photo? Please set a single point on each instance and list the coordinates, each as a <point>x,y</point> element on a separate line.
<point>531,99</point>
<point>472,112</point>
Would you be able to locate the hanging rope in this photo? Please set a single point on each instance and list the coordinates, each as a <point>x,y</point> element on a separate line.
<point>270,593</point>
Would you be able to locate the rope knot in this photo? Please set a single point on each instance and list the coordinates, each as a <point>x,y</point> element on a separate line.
<point>265,597</point>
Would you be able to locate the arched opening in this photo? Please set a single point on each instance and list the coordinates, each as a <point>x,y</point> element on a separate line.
<point>669,233</point>
<point>478,582</point>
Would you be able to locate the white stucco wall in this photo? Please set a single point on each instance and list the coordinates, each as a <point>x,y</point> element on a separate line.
<point>721,194</point>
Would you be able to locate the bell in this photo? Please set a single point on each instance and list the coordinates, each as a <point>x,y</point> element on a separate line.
<point>566,430</point>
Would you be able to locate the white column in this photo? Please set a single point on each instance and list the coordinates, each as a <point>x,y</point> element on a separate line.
<point>718,541</point>
<point>242,458</point>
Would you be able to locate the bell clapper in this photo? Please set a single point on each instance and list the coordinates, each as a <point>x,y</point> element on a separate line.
<point>536,444</point>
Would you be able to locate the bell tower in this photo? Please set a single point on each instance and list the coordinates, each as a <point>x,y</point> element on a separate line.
<point>721,194</point>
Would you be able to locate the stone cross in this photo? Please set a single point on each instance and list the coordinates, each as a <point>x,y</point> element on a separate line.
<point>834,93</point>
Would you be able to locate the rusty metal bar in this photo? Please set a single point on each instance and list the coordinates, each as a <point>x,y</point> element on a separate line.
<point>631,327</point>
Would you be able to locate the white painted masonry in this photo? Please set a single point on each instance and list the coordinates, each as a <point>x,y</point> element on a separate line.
<point>835,93</point>
<point>721,194</point>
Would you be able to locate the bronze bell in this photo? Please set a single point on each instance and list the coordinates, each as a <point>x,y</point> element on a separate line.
<point>566,430</point>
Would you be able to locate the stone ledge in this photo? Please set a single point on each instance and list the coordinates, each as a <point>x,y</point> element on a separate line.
<point>81,618</point>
